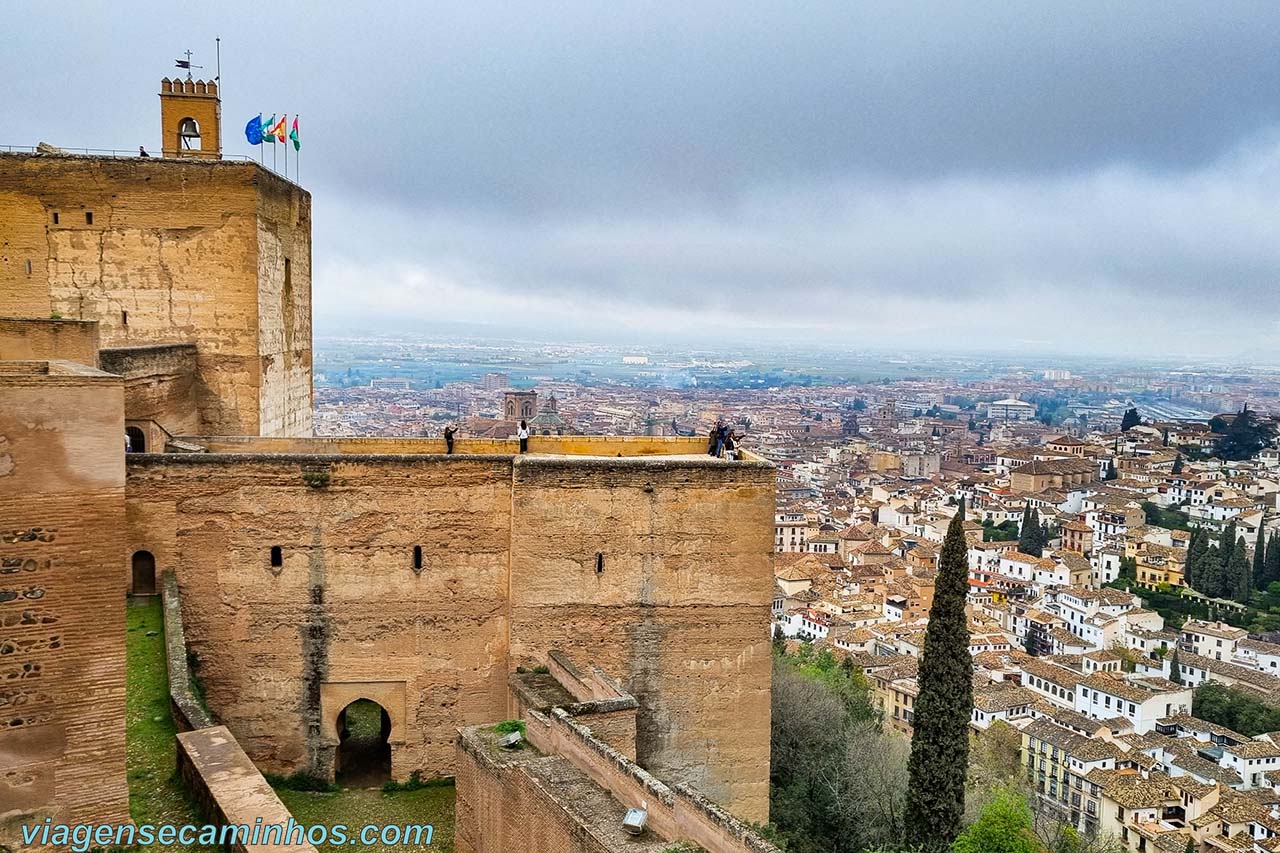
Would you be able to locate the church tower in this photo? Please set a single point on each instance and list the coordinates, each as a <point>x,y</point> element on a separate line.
<point>190,118</point>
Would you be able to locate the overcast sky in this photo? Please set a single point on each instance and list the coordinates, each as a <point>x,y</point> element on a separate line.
<point>1092,177</point>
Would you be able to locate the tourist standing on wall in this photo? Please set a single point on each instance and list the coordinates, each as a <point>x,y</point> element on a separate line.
<point>523,434</point>
<point>449,433</point>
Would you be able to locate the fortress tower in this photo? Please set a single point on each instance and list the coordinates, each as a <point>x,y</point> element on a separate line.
<point>190,118</point>
<point>195,271</point>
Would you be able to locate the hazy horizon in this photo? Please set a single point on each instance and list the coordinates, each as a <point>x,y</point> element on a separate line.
<point>1100,180</point>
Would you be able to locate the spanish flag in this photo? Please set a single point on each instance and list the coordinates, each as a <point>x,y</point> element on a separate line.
<point>278,129</point>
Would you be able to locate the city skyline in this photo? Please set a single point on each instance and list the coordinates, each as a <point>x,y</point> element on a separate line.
<point>977,178</point>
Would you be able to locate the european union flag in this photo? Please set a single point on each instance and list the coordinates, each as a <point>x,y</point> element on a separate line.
<point>253,130</point>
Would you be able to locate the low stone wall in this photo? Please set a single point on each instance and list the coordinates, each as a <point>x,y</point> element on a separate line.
<point>678,813</point>
<point>501,807</point>
<point>602,705</point>
<point>231,791</point>
<point>188,711</point>
<point>569,445</point>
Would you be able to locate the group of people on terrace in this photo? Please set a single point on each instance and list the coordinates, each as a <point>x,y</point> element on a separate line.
<point>725,442</point>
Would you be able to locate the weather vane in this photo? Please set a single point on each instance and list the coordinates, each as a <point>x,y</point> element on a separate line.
<point>186,63</point>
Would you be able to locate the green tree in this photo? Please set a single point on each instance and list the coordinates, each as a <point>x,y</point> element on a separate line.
<point>1178,464</point>
<point>1130,420</point>
<point>940,744</point>
<point>1111,471</point>
<point>1273,559</point>
<point>1191,846</point>
<point>1239,711</point>
<point>1236,582</point>
<point>1226,547</point>
<point>1196,550</point>
<point>1003,827</point>
<point>1030,535</point>
<point>1260,558</point>
<point>1211,573</point>
<point>1175,667</point>
<point>1245,436</point>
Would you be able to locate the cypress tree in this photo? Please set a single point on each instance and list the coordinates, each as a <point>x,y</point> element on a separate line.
<point>1175,666</point>
<point>1177,464</point>
<point>1130,420</point>
<point>940,743</point>
<point>1237,584</point>
<point>1196,549</point>
<point>1273,559</point>
<point>1210,573</point>
<point>1030,537</point>
<point>1260,557</point>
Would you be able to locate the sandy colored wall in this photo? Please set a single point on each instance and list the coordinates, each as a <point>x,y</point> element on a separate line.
<point>284,309</point>
<point>346,606</point>
<point>39,340</point>
<point>571,445</point>
<point>24,254</point>
<point>172,255</point>
<point>680,613</point>
<point>62,680</point>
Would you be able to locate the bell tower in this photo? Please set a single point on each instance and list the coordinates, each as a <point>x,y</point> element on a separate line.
<point>190,118</point>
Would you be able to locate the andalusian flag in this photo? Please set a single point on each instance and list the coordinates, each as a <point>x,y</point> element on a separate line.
<point>293,134</point>
<point>278,130</point>
<point>267,134</point>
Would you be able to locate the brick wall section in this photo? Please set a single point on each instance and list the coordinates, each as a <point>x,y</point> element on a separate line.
<point>230,790</point>
<point>62,621</point>
<point>42,340</point>
<point>680,612</point>
<point>676,813</point>
<point>174,253</point>
<point>520,801</point>
<point>161,384</point>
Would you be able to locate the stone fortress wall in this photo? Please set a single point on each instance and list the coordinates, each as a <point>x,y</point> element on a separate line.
<point>215,253</point>
<point>422,581</point>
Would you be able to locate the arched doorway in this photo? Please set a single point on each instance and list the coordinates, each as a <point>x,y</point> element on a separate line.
<point>137,439</point>
<point>144,573</point>
<point>364,755</point>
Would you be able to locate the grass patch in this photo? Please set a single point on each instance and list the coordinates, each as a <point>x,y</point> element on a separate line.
<point>300,781</point>
<point>506,727</point>
<point>155,794</point>
<point>432,803</point>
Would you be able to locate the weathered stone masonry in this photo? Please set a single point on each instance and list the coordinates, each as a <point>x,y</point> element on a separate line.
<point>511,549</point>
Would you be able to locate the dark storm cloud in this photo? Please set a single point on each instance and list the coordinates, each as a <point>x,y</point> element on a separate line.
<point>884,169</point>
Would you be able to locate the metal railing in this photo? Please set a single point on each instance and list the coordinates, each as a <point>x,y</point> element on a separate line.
<point>119,153</point>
